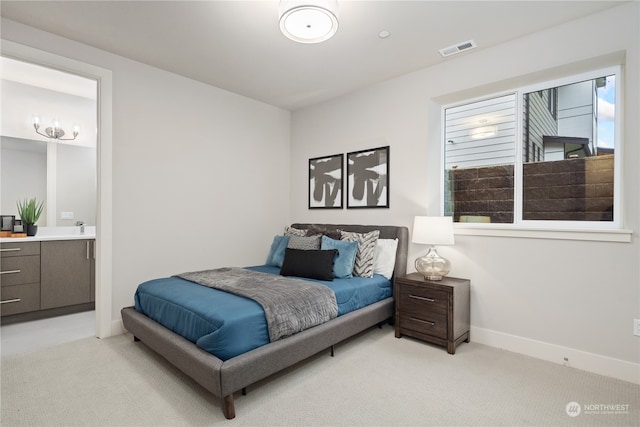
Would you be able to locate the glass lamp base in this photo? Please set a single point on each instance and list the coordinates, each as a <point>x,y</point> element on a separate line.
<point>432,266</point>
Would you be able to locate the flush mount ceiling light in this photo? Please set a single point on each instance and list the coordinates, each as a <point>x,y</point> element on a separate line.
<point>309,21</point>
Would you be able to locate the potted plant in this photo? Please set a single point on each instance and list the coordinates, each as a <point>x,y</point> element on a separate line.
<point>29,211</point>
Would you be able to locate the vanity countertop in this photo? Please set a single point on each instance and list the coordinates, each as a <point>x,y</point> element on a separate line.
<point>55,233</point>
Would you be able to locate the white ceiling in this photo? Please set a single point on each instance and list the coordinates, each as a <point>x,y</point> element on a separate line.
<point>237,45</point>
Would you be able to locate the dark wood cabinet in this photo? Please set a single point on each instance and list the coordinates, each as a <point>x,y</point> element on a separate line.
<point>20,277</point>
<point>436,312</point>
<point>66,273</point>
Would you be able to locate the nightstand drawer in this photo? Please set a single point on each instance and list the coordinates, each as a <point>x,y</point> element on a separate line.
<point>418,298</point>
<point>434,324</point>
<point>434,311</point>
<point>20,270</point>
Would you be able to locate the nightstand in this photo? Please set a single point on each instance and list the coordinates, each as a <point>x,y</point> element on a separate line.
<point>436,312</point>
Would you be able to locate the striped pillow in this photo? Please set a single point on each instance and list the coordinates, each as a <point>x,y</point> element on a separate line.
<point>363,267</point>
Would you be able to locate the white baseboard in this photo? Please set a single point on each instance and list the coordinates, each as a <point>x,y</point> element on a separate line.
<point>596,363</point>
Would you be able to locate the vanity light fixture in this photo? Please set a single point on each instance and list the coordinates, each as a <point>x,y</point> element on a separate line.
<point>311,21</point>
<point>55,131</point>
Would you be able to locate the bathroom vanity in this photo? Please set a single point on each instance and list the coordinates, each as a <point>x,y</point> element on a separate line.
<point>50,274</point>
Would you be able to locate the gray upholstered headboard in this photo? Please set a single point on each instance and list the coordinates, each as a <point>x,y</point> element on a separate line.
<point>386,232</point>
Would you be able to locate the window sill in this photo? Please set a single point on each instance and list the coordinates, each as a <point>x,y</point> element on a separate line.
<point>507,230</point>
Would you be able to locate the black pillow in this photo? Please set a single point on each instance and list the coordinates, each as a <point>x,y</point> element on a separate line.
<point>313,264</point>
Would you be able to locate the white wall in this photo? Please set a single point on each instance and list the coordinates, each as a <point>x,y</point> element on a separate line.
<point>547,298</point>
<point>199,174</point>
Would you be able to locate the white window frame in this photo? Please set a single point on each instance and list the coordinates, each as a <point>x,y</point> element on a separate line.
<point>568,230</point>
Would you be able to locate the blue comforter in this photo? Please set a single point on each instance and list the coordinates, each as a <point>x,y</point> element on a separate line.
<point>227,325</point>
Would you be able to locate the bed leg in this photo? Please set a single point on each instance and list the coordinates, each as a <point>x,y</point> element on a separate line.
<point>135,339</point>
<point>331,351</point>
<point>244,391</point>
<point>228,409</point>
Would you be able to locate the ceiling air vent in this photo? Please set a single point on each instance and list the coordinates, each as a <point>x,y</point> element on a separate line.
<point>457,48</point>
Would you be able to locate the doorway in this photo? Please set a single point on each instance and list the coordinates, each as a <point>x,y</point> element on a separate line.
<point>103,178</point>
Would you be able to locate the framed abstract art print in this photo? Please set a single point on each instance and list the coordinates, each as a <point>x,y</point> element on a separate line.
<point>368,178</point>
<point>326,175</point>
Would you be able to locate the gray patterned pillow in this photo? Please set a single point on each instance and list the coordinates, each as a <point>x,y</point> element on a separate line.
<point>363,266</point>
<point>303,242</point>
<point>290,231</point>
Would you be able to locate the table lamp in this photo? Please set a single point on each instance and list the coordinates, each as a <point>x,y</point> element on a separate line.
<point>433,230</point>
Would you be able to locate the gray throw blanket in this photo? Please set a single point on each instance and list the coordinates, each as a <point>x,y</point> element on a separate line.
<point>290,305</point>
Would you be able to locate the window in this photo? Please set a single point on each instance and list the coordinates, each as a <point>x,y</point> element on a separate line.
<point>544,155</point>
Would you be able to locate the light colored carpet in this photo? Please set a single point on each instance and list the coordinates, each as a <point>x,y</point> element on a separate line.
<point>374,380</point>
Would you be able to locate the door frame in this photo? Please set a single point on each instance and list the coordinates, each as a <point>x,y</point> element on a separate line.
<point>104,254</point>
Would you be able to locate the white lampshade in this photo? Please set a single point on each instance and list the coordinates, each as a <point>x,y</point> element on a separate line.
<point>310,21</point>
<point>433,230</point>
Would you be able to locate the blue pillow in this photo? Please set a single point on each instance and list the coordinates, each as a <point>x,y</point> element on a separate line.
<point>276,253</point>
<point>343,264</point>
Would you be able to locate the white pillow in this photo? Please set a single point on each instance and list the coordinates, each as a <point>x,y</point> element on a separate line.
<point>384,260</point>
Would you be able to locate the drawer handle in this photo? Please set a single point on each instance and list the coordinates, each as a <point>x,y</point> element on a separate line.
<point>422,298</point>
<point>10,250</point>
<point>422,321</point>
<point>7,301</point>
<point>9,271</point>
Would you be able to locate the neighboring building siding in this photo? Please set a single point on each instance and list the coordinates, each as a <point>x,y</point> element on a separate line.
<point>562,111</point>
<point>540,122</point>
<point>463,151</point>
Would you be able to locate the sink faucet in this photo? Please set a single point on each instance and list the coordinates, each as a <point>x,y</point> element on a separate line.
<point>81,224</point>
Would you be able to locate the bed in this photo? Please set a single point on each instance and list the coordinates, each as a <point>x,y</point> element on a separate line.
<point>228,373</point>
